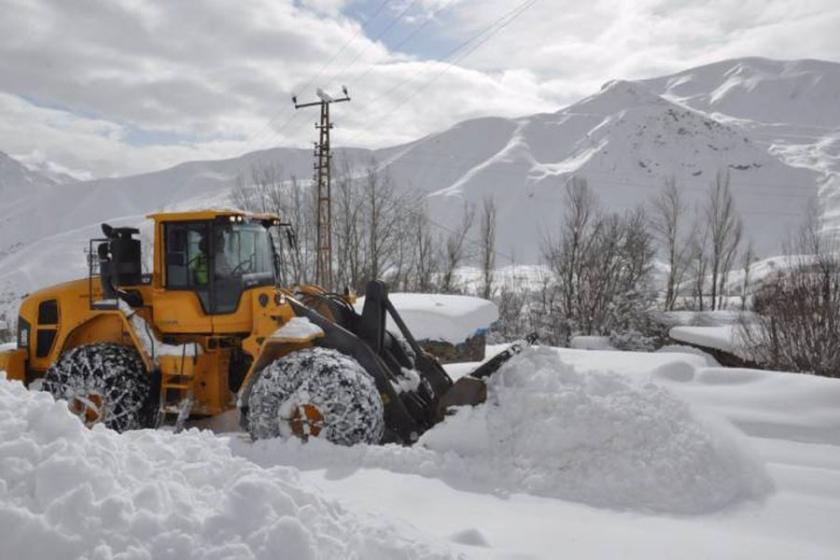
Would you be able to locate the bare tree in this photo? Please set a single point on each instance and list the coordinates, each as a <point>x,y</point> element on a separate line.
<point>347,228</point>
<point>601,266</point>
<point>427,262</point>
<point>488,246</point>
<point>749,258</point>
<point>725,230</point>
<point>566,254</point>
<point>797,321</point>
<point>699,263</point>
<point>668,209</point>
<point>265,190</point>
<point>455,249</point>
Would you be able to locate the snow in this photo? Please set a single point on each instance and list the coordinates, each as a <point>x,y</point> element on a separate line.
<point>591,343</point>
<point>408,382</point>
<point>298,328</point>
<point>450,318</point>
<point>683,349</point>
<point>796,520</point>
<point>725,338</point>
<point>153,347</point>
<point>550,431</point>
<point>638,437</point>
<point>69,492</point>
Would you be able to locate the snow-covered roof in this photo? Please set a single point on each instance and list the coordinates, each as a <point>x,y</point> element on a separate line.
<point>722,337</point>
<point>451,318</point>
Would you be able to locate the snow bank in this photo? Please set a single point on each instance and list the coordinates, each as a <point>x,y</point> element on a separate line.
<point>591,343</point>
<point>684,349</point>
<point>766,404</point>
<point>441,317</point>
<point>598,439</point>
<point>550,430</point>
<point>69,492</point>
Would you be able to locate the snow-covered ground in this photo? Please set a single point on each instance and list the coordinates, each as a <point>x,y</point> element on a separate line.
<point>578,453</point>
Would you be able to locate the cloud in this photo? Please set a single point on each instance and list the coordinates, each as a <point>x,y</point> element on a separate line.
<point>126,86</point>
<point>564,44</point>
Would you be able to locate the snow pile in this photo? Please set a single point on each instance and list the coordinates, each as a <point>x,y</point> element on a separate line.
<point>297,328</point>
<point>69,492</point>
<point>591,343</point>
<point>552,431</point>
<point>596,438</point>
<point>683,349</point>
<point>450,318</point>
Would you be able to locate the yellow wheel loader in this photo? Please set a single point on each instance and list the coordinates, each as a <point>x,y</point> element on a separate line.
<point>210,330</point>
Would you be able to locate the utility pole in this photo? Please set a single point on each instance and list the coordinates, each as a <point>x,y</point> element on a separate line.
<point>323,265</point>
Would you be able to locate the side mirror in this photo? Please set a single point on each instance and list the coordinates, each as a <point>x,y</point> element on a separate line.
<point>106,271</point>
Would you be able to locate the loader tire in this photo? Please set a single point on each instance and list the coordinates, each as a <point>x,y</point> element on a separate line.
<point>102,383</point>
<point>316,392</point>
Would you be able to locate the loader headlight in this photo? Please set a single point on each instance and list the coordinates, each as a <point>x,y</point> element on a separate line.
<point>23,330</point>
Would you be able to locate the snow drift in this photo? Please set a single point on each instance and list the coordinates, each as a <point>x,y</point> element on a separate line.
<point>550,430</point>
<point>69,492</point>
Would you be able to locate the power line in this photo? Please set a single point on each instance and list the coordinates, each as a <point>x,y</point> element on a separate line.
<point>344,46</point>
<point>381,34</point>
<point>332,59</point>
<point>479,38</point>
<point>482,36</point>
<point>490,30</point>
<point>402,43</point>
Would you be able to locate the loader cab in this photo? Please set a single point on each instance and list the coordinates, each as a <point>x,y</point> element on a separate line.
<point>218,259</point>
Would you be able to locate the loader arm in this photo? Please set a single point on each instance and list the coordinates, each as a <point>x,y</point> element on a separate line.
<point>402,425</point>
<point>371,328</point>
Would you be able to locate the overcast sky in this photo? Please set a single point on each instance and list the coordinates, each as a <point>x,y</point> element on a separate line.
<point>124,86</point>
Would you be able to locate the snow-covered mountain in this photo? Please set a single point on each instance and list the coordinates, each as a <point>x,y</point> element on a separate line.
<point>625,140</point>
<point>775,126</point>
<point>17,180</point>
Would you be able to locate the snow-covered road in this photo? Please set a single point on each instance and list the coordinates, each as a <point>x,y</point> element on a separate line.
<point>581,454</point>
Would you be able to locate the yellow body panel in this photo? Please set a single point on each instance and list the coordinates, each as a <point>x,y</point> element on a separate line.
<point>13,362</point>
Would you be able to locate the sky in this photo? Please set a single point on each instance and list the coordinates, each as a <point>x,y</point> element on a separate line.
<point>117,87</point>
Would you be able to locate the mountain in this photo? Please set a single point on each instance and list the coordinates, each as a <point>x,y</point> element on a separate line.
<point>625,140</point>
<point>774,126</point>
<point>803,93</point>
<point>17,180</point>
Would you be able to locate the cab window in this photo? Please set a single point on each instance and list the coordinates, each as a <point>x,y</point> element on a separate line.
<point>218,260</point>
<point>187,261</point>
